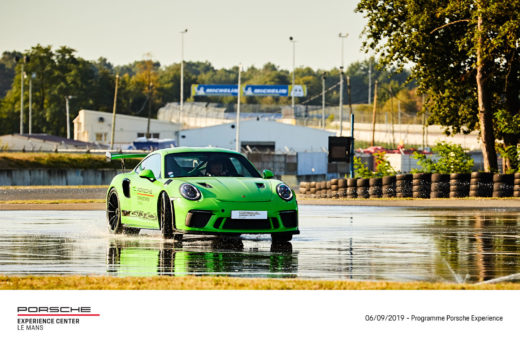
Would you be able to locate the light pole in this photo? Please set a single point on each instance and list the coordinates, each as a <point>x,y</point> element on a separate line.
<point>341,37</point>
<point>67,98</point>
<point>323,77</point>
<point>237,145</point>
<point>293,64</point>
<point>182,73</point>
<point>30,102</point>
<point>114,114</point>
<point>24,59</point>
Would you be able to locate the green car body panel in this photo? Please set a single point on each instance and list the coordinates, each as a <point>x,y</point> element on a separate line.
<point>139,198</point>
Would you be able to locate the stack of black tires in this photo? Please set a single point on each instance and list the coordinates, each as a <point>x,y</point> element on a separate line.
<point>404,186</point>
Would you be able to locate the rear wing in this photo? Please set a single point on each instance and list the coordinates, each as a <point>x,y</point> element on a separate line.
<point>122,156</point>
<point>118,155</point>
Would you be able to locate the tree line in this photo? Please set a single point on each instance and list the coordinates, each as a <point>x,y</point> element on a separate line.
<point>465,57</point>
<point>145,85</point>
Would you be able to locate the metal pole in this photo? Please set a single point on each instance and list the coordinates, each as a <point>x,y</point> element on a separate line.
<point>149,110</point>
<point>237,145</point>
<point>293,64</point>
<point>114,114</point>
<point>323,101</point>
<point>369,81</point>
<point>21,98</point>
<point>68,121</point>
<point>399,113</point>
<point>374,115</point>
<point>351,129</point>
<point>182,75</point>
<point>341,37</point>
<point>352,145</point>
<point>30,104</point>
<point>341,101</point>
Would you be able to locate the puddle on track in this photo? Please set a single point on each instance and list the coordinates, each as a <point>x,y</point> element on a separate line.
<point>336,242</point>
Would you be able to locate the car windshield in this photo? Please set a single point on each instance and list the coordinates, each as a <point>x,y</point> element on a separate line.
<point>217,164</point>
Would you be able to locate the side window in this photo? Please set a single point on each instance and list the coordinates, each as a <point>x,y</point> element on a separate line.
<point>153,163</point>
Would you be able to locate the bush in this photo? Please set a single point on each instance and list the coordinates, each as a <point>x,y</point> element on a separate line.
<point>452,159</point>
<point>383,167</point>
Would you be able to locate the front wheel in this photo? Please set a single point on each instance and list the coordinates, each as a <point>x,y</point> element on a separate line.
<point>166,216</point>
<point>281,237</point>
<point>114,212</point>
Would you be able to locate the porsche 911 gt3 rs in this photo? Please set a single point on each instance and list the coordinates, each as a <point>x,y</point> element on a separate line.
<point>200,191</point>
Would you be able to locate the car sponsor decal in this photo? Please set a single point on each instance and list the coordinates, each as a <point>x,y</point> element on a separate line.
<point>143,215</point>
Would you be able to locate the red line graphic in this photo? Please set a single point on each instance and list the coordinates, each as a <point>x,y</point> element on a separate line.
<point>58,315</point>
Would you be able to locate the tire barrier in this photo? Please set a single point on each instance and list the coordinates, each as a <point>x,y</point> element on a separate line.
<point>352,188</point>
<point>342,187</point>
<point>376,188</point>
<point>503,185</point>
<point>459,185</point>
<point>481,184</point>
<point>404,186</point>
<point>440,187</point>
<point>363,185</point>
<point>388,187</point>
<point>421,185</point>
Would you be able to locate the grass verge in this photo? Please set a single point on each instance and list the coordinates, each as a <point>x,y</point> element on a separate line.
<point>52,202</point>
<point>221,283</point>
<point>19,160</point>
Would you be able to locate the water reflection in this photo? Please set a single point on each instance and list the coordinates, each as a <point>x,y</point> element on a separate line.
<point>478,245</point>
<point>199,257</point>
<point>336,242</point>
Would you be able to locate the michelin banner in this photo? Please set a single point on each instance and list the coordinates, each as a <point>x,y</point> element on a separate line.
<point>248,90</point>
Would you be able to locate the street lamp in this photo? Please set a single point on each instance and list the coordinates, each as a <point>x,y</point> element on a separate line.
<point>182,72</point>
<point>341,37</point>
<point>323,78</point>
<point>291,39</point>
<point>33,75</point>
<point>67,98</point>
<point>237,130</point>
<point>24,59</point>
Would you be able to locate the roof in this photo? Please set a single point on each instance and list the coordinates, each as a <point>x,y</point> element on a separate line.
<point>194,149</point>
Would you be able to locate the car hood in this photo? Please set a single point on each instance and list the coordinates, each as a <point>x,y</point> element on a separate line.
<point>236,189</point>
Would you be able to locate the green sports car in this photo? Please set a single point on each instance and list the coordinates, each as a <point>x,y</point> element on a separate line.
<point>200,191</point>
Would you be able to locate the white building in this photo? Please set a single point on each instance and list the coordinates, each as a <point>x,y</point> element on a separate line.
<point>95,126</point>
<point>260,134</point>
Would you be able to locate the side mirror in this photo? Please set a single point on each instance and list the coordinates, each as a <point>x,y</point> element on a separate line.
<point>147,174</point>
<point>267,174</point>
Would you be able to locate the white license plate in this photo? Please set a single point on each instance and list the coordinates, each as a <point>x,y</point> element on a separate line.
<point>248,214</point>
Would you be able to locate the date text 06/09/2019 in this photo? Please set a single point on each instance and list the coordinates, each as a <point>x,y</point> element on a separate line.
<point>425,319</point>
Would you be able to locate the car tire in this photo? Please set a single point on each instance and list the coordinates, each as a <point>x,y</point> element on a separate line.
<point>165,216</point>
<point>114,212</point>
<point>281,237</point>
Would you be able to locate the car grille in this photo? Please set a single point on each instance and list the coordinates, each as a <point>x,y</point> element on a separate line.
<point>246,224</point>
<point>197,219</point>
<point>289,219</point>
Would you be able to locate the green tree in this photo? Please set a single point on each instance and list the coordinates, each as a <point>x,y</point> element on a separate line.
<point>452,159</point>
<point>464,55</point>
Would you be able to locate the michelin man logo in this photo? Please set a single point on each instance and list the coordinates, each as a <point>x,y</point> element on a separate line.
<point>298,90</point>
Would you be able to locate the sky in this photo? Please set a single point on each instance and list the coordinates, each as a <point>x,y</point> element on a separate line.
<point>223,32</point>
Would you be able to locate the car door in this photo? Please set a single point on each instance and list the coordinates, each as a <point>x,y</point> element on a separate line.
<point>146,192</point>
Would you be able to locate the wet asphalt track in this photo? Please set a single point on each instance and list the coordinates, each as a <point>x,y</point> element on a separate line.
<point>336,242</point>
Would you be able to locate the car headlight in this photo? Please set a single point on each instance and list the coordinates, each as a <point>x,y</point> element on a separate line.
<point>189,191</point>
<point>284,191</point>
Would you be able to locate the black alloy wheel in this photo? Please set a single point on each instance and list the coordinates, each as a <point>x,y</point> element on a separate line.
<point>166,218</point>
<point>114,212</point>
